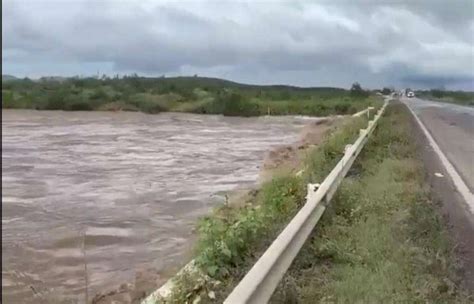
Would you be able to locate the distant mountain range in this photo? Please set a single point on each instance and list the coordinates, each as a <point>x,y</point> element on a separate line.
<point>8,77</point>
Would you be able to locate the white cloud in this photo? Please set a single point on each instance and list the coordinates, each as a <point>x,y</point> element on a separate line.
<point>266,40</point>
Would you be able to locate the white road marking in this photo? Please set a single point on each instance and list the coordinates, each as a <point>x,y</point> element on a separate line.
<point>456,178</point>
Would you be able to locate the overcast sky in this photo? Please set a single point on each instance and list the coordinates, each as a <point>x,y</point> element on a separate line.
<point>308,43</point>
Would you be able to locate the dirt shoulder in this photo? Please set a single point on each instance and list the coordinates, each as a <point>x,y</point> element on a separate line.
<point>289,158</point>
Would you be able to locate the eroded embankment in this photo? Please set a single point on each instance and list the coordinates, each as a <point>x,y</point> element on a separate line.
<point>289,159</point>
<point>234,236</point>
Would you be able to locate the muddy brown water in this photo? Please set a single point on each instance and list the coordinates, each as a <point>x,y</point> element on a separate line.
<point>126,187</point>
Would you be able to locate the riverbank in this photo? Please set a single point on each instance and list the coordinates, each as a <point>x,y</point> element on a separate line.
<point>233,105</point>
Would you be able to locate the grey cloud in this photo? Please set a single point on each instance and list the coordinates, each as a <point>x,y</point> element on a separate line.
<point>333,40</point>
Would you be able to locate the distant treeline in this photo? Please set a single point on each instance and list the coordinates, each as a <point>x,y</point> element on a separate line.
<point>459,97</point>
<point>179,94</point>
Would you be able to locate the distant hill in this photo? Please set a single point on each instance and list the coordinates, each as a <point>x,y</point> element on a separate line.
<point>187,82</point>
<point>209,82</point>
<point>8,77</point>
<point>54,78</point>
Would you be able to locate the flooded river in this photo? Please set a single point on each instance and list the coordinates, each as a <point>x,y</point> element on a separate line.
<point>115,192</point>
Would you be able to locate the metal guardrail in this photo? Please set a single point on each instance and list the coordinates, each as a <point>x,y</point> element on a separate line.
<point>261,281</point>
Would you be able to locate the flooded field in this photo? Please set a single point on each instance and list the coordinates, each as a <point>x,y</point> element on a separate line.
<point>115,193</point>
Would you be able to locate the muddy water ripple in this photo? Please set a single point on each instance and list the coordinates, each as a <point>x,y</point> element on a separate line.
<point>127,187</point>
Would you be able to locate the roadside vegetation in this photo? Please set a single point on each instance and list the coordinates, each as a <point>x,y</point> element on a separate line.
<point>179,94</point>
<point>382,240</point>
<point>458,97</point>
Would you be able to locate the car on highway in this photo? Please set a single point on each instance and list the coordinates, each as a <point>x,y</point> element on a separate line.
<point>410,94</point>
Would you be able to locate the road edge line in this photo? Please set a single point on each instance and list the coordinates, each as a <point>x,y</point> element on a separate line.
<point>457,180</point>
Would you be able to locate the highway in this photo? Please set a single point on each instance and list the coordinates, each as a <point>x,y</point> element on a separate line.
<point>446,138</point>
<point>452,127</point>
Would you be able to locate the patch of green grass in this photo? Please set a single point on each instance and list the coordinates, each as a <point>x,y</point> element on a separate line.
<point>382,240</point>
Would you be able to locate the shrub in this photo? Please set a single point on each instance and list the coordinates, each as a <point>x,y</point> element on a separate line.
<point>55,102</point>
<point>227,241</point>
<point>234,105</point>
<point>357,91</point>
<point>342,108</point>
<point>7,99</point>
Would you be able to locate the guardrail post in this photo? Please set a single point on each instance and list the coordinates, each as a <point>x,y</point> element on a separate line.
<point>368,112</point>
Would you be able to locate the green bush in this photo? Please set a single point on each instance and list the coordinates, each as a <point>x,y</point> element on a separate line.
<point>226,242</point>
<point>234,104</point>
<point>56,101</point>
<point>7,100</point>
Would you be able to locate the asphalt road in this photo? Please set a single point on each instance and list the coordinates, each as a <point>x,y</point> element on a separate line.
<point>452,127</point>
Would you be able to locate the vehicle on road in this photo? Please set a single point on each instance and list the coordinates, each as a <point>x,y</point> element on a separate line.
<point>410,94</point>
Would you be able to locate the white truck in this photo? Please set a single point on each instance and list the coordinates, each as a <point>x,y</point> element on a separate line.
<point>409,93</point>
